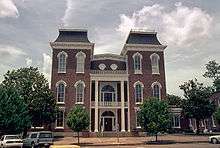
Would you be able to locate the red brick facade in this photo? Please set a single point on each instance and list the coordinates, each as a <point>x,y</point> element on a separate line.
<point>74,41</point>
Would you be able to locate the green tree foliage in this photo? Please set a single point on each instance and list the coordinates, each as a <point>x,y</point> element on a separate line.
<point>213,72</point>
<point>154,116</point>
<point>217,115</point>
<point>197,104</point>
<point>34,89</point>
<point>174,100</point>
<point>14,117</point>
<point>78,119</point>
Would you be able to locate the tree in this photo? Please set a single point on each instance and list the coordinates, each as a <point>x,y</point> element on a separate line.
<point>197,104</point>
<point>78,119</point>
<point>217,115</point>
<point>34,90</point>
<point>213,72</point>
<point>14,117</point>
<point>174,100</point>
<point>154,116</point>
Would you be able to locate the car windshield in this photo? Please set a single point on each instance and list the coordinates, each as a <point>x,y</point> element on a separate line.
<point>45,135</point>
<point>11,137</point>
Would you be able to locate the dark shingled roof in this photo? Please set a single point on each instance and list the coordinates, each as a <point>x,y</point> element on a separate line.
<point>72,35</point>
<point>143,38</point>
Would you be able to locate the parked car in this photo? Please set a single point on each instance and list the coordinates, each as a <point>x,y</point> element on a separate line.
<point>11,141</point>
<point>38,139</point>
<point>214,139</point>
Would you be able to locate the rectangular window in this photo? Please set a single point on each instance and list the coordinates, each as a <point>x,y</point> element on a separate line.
<point>137,121</point>
<point>176,121</point>
<point>60,119</point>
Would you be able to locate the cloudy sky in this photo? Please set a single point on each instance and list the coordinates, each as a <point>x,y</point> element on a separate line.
<point>190,28</point>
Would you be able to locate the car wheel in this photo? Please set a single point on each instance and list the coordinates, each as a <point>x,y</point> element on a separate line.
<point>214,141</point>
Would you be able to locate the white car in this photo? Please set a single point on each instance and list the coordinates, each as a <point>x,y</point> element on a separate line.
<point>214,139</point>
<point>10,141</point>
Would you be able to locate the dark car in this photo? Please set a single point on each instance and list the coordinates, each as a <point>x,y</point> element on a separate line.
<point>38,139</point>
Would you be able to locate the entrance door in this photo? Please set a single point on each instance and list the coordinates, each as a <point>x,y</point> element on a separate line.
<point>108,124</point>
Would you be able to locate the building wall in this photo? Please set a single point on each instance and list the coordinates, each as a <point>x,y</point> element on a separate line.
<point>147,78</point>
<point>70,77</point>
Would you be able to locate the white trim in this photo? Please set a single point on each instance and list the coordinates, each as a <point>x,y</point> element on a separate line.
<point>173,120</point>
<point>57,85</point>
<point>62,109</point>
<point>158,64</point>
<point>32,127</point>
<point>58,56</point>
<point>108,56</point>
<point>142,92</point>
<point>142,47</point>
<point>160,87</point>
<point>83,93</point>
<point>137,71</point>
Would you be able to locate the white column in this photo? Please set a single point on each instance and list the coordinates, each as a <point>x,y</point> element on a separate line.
<point>128,98</point>
<point>122,107</point>
<point>96,106</point>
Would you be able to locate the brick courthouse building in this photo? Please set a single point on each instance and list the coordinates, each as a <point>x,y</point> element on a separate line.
<point>110,86</point>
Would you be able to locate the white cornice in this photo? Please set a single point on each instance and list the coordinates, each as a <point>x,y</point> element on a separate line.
<point>142,47</point>
<point>71,45</point>
<point>108,56</point>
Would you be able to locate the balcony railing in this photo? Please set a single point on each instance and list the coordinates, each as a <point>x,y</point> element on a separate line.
<point>108,72</point>
<point>109,104</point>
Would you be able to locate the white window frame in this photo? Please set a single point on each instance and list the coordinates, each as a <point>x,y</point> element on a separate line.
<point>155,67</point>
<point>57,88</point>
<point>173,120</point>
<point>138,126</point>
<point>65,62</point>
<point>80,65</point>
<point>142,91</point>
<point>83,93</point>
<point>137,71</point>
<point>160,86</point>
<point>63,111</point>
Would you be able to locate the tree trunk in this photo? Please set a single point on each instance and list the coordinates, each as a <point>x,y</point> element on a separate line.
<point>156,137</point>
<point>197,126</point>
<point>78,137</point>
<point>24,133</point>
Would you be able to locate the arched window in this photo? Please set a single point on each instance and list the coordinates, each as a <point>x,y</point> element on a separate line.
<point>137,58</point>
<point>80,57</point>
<point>108,93</point>
<point>80,86</point>
<point>138,86</point>
<point>155,63</point>
<point>61,85</point>
<point>62,56</point>
<point>156,86</point>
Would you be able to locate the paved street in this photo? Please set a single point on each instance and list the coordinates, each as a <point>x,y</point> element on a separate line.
<point>172,141</point>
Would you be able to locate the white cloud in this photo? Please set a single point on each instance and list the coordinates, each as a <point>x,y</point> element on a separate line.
<point>28,61</point>
<point>68,11</point>
<point>47,64</point>
<point>182,26</point>
<point>8,53</point>
<point>8,9</point>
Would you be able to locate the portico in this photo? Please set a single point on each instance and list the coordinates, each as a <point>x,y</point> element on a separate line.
<point>110,103</point>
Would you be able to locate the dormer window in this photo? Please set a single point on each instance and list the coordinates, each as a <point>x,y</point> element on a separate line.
<point>80,57</point>
<point>62,56</point>
<point>155,63</point>
<point>137,60</point>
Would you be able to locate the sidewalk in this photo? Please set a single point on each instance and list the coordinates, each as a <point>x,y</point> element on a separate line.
<point>128,141</point>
